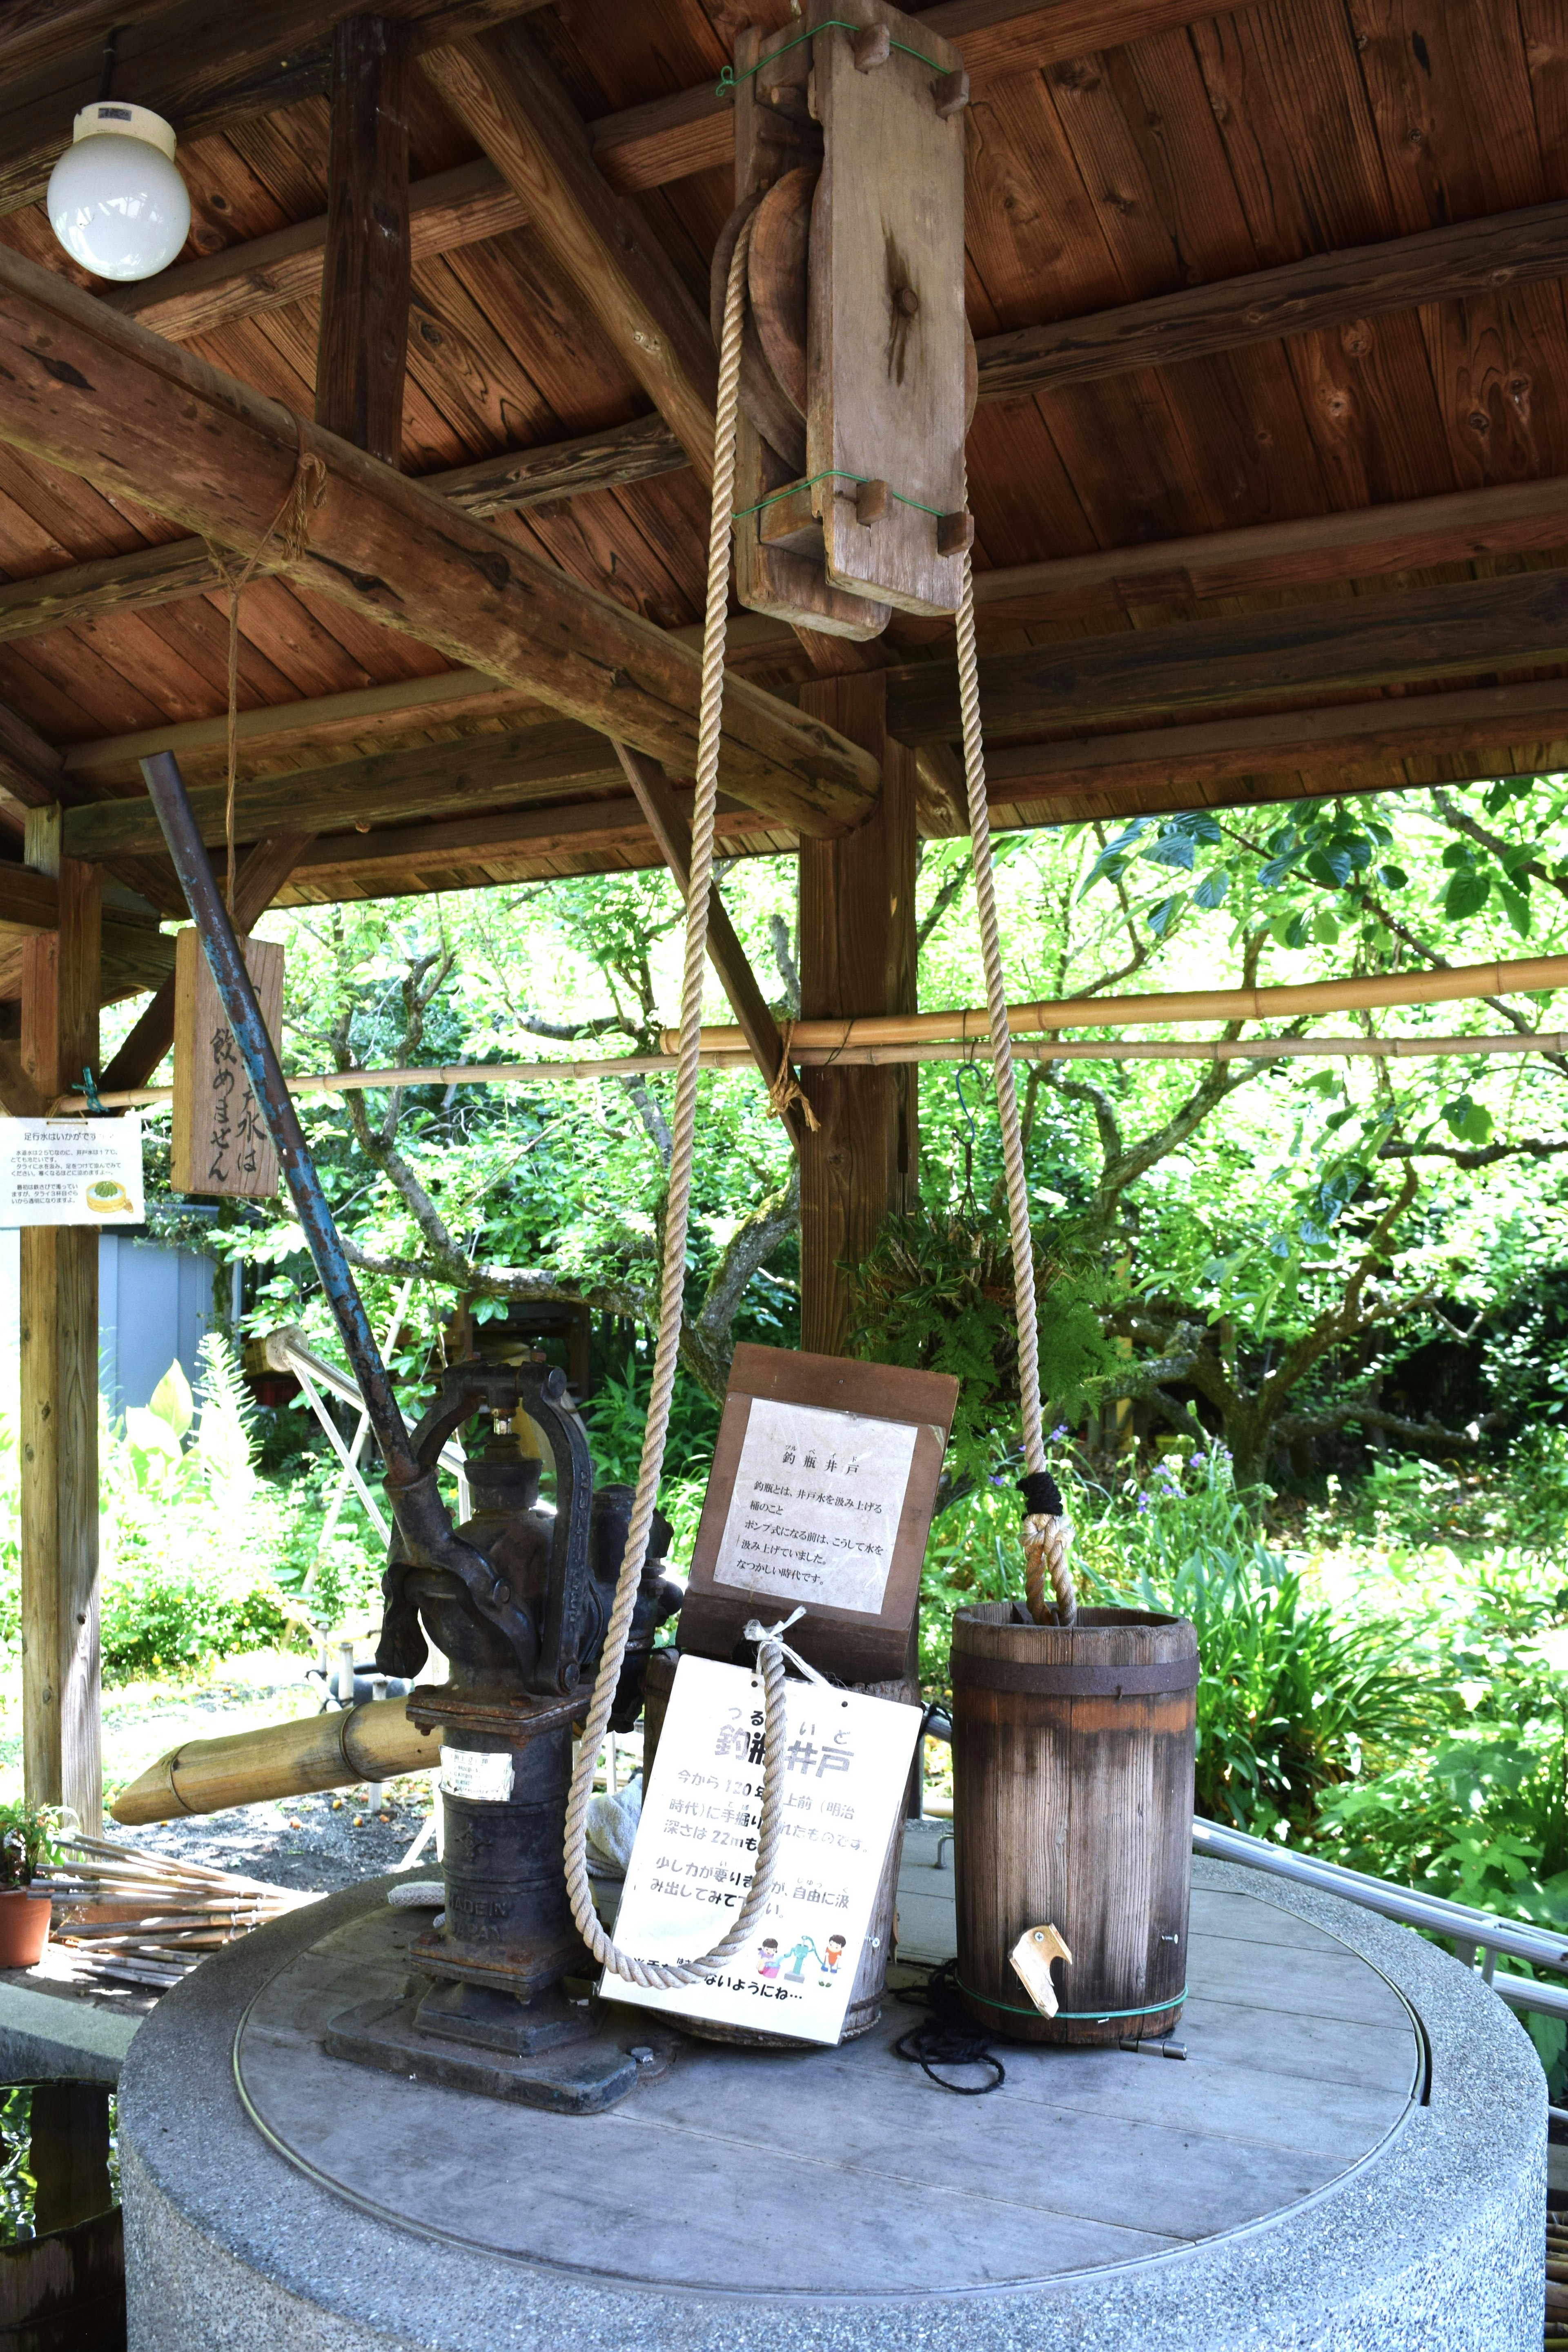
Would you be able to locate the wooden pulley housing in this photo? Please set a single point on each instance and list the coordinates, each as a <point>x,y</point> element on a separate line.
<point>858,371</point>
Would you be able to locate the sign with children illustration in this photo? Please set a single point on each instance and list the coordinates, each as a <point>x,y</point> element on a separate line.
<point>846,1762</point>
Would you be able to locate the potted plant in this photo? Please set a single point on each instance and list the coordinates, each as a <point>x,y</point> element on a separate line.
<point>26,1846</point>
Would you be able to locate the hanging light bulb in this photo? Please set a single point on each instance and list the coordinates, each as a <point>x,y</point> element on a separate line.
<point>116,199</point>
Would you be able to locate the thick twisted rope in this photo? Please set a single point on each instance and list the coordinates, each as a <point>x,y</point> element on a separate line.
<point>1045,1552</point>
<point>656,1974</point>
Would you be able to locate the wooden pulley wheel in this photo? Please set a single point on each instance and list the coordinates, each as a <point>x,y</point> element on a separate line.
<point>781,425</point>
<point>778,273</point>
<point>778,281</point>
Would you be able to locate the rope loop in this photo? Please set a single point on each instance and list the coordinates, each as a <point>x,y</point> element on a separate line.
<point>291,525</point>
<point>654,1974</point>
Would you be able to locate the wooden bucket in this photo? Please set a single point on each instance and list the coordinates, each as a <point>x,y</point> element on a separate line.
<point>1072,1770</point>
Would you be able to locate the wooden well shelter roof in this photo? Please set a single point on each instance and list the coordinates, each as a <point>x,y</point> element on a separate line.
<point>1270,469</point>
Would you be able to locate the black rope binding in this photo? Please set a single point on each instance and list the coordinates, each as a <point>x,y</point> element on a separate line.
<point>1042,1496</point>
<point>948,2035</point>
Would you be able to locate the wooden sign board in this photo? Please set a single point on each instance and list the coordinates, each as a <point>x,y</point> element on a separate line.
<point>221,1145</point>
<point>823,1483</point>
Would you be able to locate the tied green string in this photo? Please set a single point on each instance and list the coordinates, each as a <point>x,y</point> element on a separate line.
<point>728,81</point>
<point>831,474</point>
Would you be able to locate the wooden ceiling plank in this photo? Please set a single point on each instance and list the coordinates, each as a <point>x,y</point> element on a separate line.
<point>450,209</point>
<point>503,92</point>
<point>200,67</point>
<point>1510,623</point>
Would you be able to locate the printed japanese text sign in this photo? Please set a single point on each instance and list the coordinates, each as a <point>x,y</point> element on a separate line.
<point>823,1483</point>
<point>846,1762</point>
<point>71,1172</point>
<point>219,1141</point>
<point>817,1502</point>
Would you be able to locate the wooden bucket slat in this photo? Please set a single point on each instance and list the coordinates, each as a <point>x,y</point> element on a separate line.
<point>1073,1808</point>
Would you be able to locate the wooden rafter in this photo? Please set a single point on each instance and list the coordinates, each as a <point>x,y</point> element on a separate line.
<point>362,354</point>
<point>447,212</point>
<point>1476,626</point>
<point>94,394</point>
<point>503,92</point>
<point>472,772</point>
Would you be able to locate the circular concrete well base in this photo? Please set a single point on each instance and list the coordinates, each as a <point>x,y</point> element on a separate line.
<point>1352,2156</point>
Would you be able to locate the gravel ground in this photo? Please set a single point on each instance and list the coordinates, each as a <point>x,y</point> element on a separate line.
<point>322,1843</point>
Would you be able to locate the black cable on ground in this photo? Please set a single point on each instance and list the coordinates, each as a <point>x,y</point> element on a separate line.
<point>948,2035</point>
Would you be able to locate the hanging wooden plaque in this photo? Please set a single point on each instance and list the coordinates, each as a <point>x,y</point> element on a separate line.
<point>823,1483</point>
<point>221,1146</point>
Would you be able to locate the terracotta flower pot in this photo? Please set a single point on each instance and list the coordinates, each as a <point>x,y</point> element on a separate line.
<point>23,1927</point>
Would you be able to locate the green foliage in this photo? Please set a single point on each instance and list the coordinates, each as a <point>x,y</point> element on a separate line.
<point>27,1834</point>
<point>936,1293</point>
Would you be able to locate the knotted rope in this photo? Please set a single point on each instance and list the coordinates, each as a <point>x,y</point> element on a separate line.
<point>656,1974</point>
<point>291,525</point>
<point>785,1090</point>
<point>1044,1532</point>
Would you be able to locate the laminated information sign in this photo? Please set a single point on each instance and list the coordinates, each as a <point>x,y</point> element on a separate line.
<point>71,1172</point>
<point>846,1763</point>
<point>817,1505</point>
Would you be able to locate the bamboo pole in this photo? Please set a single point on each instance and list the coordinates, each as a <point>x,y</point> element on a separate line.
<point>1349,995</point>
<point>374,1741</point>
<point>1428,1048</point>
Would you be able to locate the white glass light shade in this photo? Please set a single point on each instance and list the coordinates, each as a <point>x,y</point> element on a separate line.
<point>116,199</point>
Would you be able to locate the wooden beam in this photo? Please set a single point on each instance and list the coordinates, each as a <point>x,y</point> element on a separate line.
<point>669,827</point>
<point>516,479</point>
<point>362,351</point>
<point>1453,264</point>
<point>94,393</point>
<point>858,949</point>
<point>470,772</point>
<point>504,95</point>
<point>58,1326</point>
<point>447,212</point>
<point>1283,755</point>
<point>463,850</point>
<point>1374,640</point>
<point>1312,550</point>
<point>200,67</point>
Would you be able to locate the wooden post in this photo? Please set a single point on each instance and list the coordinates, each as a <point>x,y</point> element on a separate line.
<point>857,955</point>
<point>62,1763</point>
<point>364,348</point>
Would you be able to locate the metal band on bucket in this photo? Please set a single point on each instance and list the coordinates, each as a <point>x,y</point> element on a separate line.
<point>1050,1679</point>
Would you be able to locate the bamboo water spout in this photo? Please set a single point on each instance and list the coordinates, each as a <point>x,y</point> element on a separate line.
<point>374,1741</point>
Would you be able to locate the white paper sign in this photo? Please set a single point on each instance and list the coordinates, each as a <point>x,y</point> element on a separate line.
<point>471,1772</point>
<point>71,1172</point>
<point>816,1505</point>
<point>846,1765</point>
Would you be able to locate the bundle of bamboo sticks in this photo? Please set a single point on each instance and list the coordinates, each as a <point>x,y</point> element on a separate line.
<point>145,1919</point>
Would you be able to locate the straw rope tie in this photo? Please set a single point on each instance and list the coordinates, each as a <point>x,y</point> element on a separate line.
<point>784,1089</point>
<point>655,1975</point>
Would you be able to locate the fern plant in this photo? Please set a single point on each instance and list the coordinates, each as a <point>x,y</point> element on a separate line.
<point>935,1292</point>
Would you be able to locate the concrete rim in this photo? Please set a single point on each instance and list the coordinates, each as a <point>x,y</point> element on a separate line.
<point>1446,2246</point>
